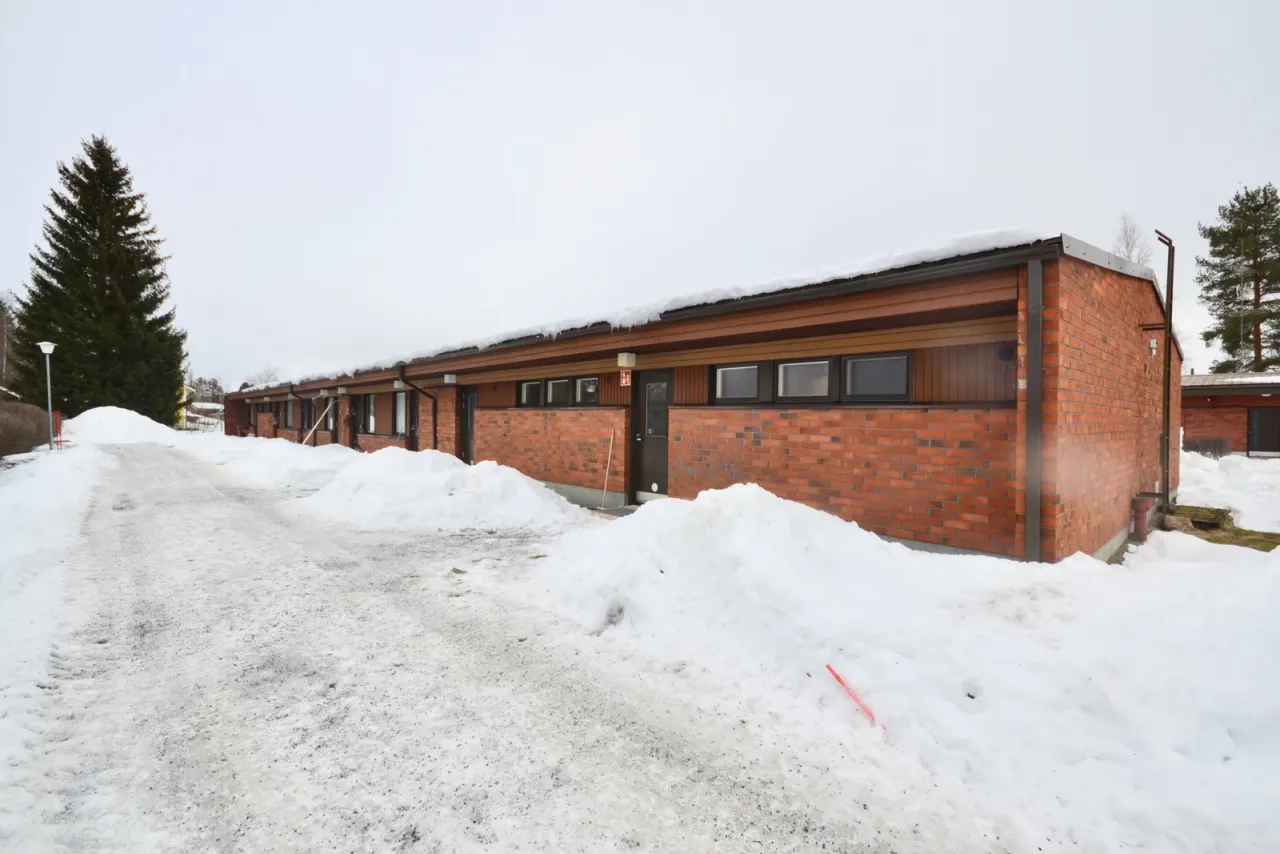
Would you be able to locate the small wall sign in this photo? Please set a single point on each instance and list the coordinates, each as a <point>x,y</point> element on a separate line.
<point>624,377</point>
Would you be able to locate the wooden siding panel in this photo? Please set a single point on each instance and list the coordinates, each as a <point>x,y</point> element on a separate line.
<point>612,391</point>
<point>963,374</point>
<point>494,395</point>
<point>691,385</point>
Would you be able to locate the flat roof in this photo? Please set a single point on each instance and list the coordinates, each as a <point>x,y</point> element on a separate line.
<point>1011,246</point>
<point>1231,383</point>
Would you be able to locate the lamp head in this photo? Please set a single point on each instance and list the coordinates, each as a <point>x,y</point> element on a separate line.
<point>46,347</point>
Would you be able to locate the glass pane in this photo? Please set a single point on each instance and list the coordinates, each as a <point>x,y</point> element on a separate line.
<point>804,379</point>
<point>530,394</point>
<point>879,376</point>
<point>400,412</point>
<point>739,382</point>
<point>557,392</point>
<point>588,390</point>
<point>655,409</point>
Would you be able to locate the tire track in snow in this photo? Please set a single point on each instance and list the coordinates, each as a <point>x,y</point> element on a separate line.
<point>250,681</point>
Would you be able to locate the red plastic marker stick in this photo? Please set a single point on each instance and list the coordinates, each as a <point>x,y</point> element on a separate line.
<point>861,705</point>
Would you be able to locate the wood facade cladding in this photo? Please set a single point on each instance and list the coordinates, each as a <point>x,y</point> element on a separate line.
<point>965,373</point>
<point>692,385</point>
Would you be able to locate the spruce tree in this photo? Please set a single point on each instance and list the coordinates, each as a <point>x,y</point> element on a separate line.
<point>97,290</point>
<point>1240,281</point>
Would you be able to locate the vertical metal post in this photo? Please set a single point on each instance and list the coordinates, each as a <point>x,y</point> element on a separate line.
<point>48,385</point>
<point>1165,401</point>
<point>1035,409</point>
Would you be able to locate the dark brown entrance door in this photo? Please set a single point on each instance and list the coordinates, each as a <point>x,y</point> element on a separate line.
<point>650,399</point>
<point>468,397</point>
<point>1264,429</point>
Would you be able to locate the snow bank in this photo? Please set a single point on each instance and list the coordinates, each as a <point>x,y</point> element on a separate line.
<point>270,463</point>
<point>1249,487</point>
<point>394,488</point>
<point>43,501</point>
<point>1083,704</point>
<point>111,425</point>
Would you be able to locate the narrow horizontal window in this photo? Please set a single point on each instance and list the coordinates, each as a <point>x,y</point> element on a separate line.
<point>531,393</point>
<point>559,393</point>
<point>738,383</point>
<point>804,379</point>
<point>586,390</point>
<point>877,377</point>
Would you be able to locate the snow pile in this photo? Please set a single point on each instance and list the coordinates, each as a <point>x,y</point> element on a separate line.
<point>1248,487</point>
<point>394,488</point>
<point>270,463</point>
<point>111,425</point>
<point>637,315</point>
<point>1079,704</point>
<point>43,501</point>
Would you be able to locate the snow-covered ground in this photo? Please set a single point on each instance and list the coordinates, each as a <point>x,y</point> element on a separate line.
<point>253,645</point>
<point>1249,487</point>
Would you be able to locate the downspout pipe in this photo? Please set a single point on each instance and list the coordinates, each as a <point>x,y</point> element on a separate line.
<point>435,427</point>
<point>1166,391</point>
<point>1035,409</point>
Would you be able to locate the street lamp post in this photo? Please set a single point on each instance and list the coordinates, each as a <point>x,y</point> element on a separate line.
<point>46,347</point>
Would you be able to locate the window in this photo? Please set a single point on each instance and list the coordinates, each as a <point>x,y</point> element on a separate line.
<point>399,416</point>
<point>330,416</point>
<point>369,423</point>
<point>586,390</point>
<point>880,377</point>
<point>558,393</point>
<point>306,415</point>
<point>531,393</point>
<point>655,409</point>
<point>741,382</point>
<point>805,379</point>
<point>288,413</point>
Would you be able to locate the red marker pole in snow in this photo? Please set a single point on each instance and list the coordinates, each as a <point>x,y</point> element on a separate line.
<point>866,710</point>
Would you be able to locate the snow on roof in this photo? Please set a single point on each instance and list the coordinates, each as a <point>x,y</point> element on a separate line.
<point>200,404</point>
<point>625,318</point>
<point>1228,380</point>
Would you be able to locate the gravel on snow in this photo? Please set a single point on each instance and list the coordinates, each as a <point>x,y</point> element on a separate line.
<point>248,680</point>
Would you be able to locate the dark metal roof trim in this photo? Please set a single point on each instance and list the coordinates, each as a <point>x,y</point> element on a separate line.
<point>1230,390</point>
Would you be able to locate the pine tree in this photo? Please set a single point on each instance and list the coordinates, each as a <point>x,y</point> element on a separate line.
<point>97,290</point>
<point>1240,281</point>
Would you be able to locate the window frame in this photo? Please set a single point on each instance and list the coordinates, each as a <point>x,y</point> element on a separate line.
<point>764,384</point>
<point>368,417</point>
<point>546,392</point>
<point>848,397</point>
<point>576,380</point>
<point>831,395</point>
<point>331,414</point>
<point>400,413</point>
<point>520,401</point>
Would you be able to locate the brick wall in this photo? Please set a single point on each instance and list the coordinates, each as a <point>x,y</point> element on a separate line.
<point>938,475</point>
<point>344,420</point>
<point>568,446</point>
<point>235,417</point>
<point>1102,404</point>
<point>446,419</point>
<point>293,434</point>
<point>370,443</point>
<point>1222,417</point>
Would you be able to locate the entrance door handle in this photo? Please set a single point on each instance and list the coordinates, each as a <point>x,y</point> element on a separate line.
<point>639,438</point>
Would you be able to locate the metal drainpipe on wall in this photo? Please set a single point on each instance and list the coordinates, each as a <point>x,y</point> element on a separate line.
<point>1035,409</point>
<point>435,435</point>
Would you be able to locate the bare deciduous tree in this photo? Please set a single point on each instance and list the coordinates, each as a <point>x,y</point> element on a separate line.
<point>269,374</point>
<point>1131,243</point>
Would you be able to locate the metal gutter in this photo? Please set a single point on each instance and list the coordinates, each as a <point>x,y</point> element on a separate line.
<point>1229,390</point>
<point>1035,410</point>
<point>1167,380</point>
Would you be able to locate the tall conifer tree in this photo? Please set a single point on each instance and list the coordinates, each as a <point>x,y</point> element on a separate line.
<point>1240,281</point>
<point>98,290</point>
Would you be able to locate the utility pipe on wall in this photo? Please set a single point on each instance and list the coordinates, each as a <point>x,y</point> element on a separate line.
<point>1165,402</point>
<point>435,434</point>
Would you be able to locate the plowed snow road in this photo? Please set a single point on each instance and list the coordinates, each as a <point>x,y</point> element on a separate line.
<point>246,680</point>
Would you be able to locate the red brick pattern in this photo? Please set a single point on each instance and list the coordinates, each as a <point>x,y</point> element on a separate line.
<point>446,419</point>
<point>568,446</point>
<point>938,475</point>
<point>1102,404</point>
<point>370,443</point>
<point>1222,417</point>
<point>235,417</point>
<point>293,434</point>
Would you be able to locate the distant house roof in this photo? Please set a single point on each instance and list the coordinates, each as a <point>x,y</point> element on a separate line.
<point>1246,383</point>
<point>200,404</point>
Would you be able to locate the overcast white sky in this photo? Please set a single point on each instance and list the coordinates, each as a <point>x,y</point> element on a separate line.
<point>342,182</point>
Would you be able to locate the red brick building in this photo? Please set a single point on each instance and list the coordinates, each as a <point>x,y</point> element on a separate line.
<point>1003,400</point>
<point>1231,414</point>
